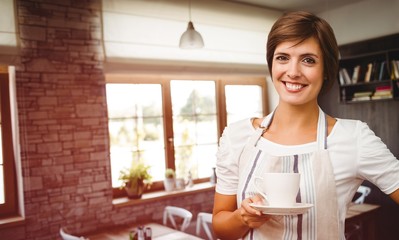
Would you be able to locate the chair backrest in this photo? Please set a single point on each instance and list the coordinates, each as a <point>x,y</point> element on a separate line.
<point>171,213</point>
<point>204,221</point>
<point>66,236</point>
<point>364,192</point>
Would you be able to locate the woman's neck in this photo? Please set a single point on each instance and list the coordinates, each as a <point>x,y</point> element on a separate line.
<point>299,116</point>
<point>293,124</point>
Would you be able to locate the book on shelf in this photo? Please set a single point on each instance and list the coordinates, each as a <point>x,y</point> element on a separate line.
<point>385,96</point>
<point>345,76</point>
<point>382,92</point>
<point>355,74</point>
<point>383,88</point>
<point>383,71</point>
<point>374,71</point>
<point>363,94</point>
<point>362,98</point>
<point>367,77</point>
<point>395,69</point>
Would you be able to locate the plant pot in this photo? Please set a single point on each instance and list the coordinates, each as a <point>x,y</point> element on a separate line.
<point>169,184</point>
<point>134,190</point>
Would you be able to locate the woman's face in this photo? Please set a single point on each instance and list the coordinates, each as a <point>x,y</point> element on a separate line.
<point>297,71</point>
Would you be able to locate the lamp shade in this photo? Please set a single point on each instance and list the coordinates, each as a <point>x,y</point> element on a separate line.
<point>191,38</point>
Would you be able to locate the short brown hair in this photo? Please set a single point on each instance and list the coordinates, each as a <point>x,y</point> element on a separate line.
<point>299,26</point>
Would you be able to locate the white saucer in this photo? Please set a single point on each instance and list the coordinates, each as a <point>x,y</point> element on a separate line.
<point>297,208</point>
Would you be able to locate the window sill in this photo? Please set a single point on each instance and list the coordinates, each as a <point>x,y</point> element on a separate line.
<point>11,222</point>
<point>156,196</point>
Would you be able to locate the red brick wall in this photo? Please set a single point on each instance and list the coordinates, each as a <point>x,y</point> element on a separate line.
<point>63,125</point>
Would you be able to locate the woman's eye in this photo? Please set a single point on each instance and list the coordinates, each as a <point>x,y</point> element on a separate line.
<point>281,58</point>
<point>309,60</point>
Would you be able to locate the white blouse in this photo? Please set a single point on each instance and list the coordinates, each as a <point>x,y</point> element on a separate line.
<point>356,154</point>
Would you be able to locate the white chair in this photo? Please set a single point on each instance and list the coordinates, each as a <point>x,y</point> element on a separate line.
<point>172,213</point>
<point>204,220</point>
<point>67,236</point>
<point>364,191</point>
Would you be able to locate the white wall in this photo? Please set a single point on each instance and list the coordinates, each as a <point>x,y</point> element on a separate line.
<point>150,30</point>
<point>364,20</point>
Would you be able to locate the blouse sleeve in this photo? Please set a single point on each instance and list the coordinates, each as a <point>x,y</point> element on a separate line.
<point>231,145</point>
<point>376,163</point>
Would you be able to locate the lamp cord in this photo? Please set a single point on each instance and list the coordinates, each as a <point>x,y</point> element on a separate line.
<point>189,10</point>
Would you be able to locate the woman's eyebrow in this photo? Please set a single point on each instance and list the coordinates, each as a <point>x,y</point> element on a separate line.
<point>310,54</point>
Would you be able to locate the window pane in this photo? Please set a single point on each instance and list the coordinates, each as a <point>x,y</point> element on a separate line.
<point>193,130</point>
<point>194,127</point>
<point>243,101</point>
<point>136,127</point>
<point>200,163</point>
<point>193,98</point>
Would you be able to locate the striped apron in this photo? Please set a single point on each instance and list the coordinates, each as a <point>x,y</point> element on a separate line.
<point>317,186</point>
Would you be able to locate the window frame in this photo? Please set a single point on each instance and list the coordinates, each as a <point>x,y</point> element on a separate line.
<point>164,81</point>
<point>239,80</point>
<point>10,207</point>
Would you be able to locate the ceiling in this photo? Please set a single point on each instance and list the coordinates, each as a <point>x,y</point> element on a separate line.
<point>314,6</point>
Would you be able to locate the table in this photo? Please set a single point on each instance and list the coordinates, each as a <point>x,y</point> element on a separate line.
<point>361,221</point>
<point>159,232</point>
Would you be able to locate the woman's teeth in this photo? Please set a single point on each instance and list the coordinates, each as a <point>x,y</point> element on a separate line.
<point>292,86</point>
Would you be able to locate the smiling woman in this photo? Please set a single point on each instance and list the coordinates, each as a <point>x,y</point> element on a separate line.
<point>333,156</point>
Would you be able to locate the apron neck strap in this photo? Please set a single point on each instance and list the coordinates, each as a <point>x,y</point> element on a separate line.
<point>322,130</point>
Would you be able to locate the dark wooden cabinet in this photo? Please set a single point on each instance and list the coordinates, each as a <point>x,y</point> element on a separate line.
<point>382,116</point>
<point>369,76</point>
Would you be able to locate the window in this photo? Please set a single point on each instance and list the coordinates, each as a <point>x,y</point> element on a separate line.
<point>195,132</point>
<point>135,127</point>
<point>8,184</point>
<point>175,122</point>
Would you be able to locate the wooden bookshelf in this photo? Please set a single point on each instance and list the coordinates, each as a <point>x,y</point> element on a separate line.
<point>369,72</point>
<point>369,77</point>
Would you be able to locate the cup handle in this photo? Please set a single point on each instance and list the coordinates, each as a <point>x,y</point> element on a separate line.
<point>258,188</point>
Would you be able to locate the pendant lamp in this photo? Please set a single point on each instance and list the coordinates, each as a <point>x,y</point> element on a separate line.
<point>191,39</point>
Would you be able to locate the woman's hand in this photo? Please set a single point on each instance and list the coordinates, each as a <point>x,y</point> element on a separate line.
<point>233,222</point>
<point>249,215</point>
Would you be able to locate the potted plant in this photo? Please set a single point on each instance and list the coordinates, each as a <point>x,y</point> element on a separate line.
<point>169,181</point>
<point>135,179</point>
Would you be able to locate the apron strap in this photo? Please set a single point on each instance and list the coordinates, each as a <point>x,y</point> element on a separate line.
<point>253,140</point>
<point>322,130</point>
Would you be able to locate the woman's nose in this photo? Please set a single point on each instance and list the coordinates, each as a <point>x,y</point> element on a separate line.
<point>293,70</point>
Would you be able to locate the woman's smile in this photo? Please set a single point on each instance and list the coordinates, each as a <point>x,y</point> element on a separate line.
<point>294,87</point>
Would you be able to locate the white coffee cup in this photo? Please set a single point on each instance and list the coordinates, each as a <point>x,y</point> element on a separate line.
<point>278,189</point>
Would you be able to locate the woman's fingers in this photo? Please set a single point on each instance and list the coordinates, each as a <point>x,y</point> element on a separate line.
<point>249,215</point>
